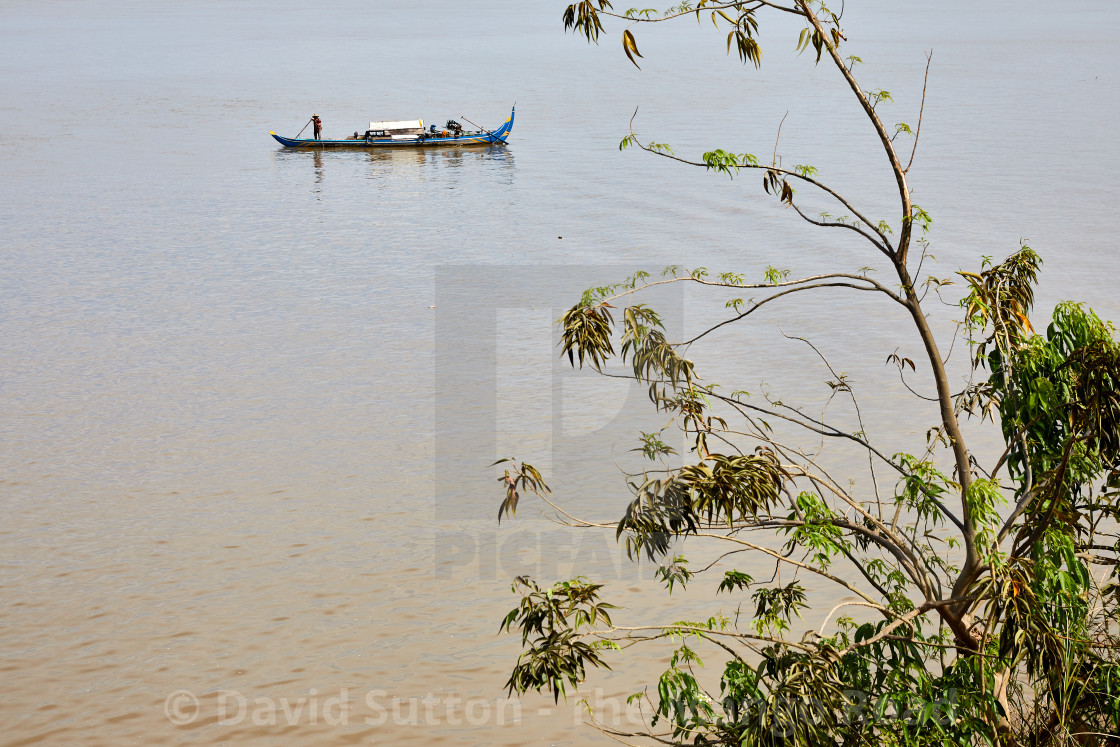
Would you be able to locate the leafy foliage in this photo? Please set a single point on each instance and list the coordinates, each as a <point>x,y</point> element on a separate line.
<point>524,477</point>
<point>979,601</point>
<point>584,18</point>
<point>550,621</point>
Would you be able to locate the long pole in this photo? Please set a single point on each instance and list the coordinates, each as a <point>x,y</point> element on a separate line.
<point>488,132</point>
<point>304,128</point>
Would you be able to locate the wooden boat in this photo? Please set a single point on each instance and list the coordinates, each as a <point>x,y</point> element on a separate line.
<point>407,135</point>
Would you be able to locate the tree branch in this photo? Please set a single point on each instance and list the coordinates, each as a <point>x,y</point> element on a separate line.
<point>921,111</point>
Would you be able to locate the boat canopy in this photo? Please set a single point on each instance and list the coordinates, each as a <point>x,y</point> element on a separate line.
<point>411,124</point>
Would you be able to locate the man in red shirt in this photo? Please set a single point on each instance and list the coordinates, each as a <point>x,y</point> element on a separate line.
<point>318,126</point>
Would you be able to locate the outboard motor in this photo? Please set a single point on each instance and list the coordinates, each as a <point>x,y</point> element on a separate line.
<point>454,127</point>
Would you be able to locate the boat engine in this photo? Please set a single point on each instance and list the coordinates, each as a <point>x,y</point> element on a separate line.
<point>454,127</point>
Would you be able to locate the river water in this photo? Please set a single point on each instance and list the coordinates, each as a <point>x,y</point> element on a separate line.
<point>249,396</point>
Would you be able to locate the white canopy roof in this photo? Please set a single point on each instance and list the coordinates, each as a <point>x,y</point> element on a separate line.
<point>411,124</point>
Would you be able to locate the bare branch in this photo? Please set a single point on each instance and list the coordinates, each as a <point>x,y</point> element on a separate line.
<point>921,111</point>
<point>775,297</point>
<point>774,160</point>
<point>833,224</point>
<point>883,245</point>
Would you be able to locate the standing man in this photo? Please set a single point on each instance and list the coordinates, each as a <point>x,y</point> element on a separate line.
<point>318,126</point>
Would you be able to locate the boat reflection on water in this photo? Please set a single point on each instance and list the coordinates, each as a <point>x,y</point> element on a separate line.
<point>397,162</point>
<point>450,156</point>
